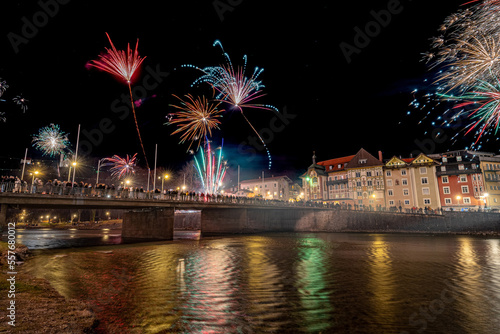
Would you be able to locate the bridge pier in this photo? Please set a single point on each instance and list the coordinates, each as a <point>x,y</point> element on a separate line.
<point>152,224</point>
<point>3,216</point>
<point>248,220</point>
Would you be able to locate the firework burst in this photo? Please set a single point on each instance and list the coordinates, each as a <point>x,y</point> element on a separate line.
<point>51,141</point>
<point>211,168</point>
<point>234,88</point>
<point>123,65</point>
<point>196,118</point>
<point>466,56</point>
<point>121,166</point>
<point>3,86</point>
<point>19,100</point>
<point>22,102</point>
<point>482,105</point>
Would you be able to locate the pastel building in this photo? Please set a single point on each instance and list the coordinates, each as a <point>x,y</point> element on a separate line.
<point>366,179</point>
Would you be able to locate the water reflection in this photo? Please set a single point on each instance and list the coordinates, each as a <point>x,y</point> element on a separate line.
<point>208,300</point>
<point>284,283</point>
<point>381,282</point>
<point>266,283</point>
<point>314,291</point>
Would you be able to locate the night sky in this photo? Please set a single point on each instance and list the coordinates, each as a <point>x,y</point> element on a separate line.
<point>332,106</point>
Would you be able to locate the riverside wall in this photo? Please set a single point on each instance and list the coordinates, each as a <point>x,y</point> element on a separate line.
<point>215,221</point>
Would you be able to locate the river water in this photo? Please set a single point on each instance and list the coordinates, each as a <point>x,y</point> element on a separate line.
<point>277,283</point>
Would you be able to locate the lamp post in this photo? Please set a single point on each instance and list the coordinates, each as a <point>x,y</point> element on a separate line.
<point>166,176</point>
<point>74,170</point>
<point>458,200</point>
<point>33,180</point>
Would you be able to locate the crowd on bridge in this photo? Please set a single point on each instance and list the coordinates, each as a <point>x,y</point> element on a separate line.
<point>57,187</point>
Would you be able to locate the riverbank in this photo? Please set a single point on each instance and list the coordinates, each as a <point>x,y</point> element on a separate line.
<point>38,307</point>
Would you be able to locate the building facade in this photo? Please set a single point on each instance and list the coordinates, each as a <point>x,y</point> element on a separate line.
<point>275,187</point>
<point>460,181</point>
<point>366,180</point>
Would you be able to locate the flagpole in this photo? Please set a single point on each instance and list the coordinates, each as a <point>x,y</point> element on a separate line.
<point>154,177</point>
<point>76,155</point>
<point>24,163</point>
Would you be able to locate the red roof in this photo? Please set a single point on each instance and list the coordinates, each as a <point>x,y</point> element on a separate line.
<point>408,160</point>
<point>335,163</point>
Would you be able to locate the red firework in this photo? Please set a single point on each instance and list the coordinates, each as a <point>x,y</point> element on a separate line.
<point>121,166</point>
<point>122,64</point>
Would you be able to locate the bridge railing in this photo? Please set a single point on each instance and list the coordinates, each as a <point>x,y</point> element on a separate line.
<point>65,189</point>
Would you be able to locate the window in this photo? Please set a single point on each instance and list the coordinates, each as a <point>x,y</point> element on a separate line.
<point>331,167</point>
<point>461,167</point>
<point>444,179</point>
<point>369,183</point>
<point>466,200</point>
<point>359,194</point>
<point>403,172</point>
<point>425,191</point>
<point>459,158</point>
<point>465,189</point>
<point>447,201</point>
<point>362,161</point>
<point>275,185</point>
<point>358,174</point>
<point>368,173</point>
<point>445,159</point>
<point>443,168</point>
<point>404,182</point>
<point>388,173</point>
<point>406,192</point>
<point>446,190</point>
<point>423,170</point>
<point>462,178</point>
<point>391,203</point>
<point>390,192</point>
<point>389,183</point>
<point>339,166</point>
<point>407,202</point>
<point>424,180</point>
<point>358,183</point>
<point>427,201</point>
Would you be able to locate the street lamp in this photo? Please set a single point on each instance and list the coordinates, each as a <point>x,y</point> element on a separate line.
<point>74,171</point>
<point>33,180</point>
<point>458,200</point>
<point>166,176</point>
